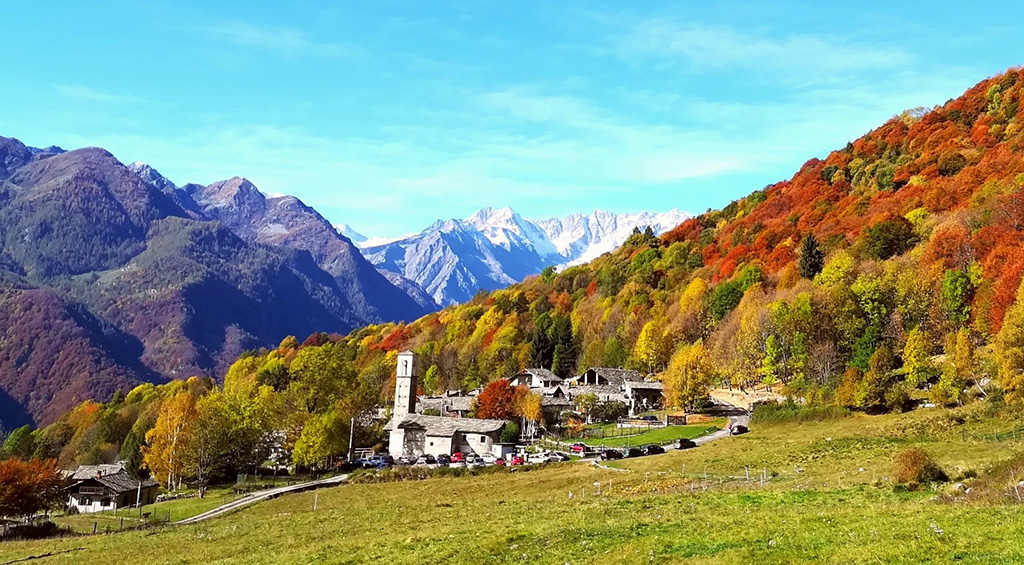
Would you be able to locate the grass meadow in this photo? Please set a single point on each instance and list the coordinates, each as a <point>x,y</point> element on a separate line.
<point>817,491</point>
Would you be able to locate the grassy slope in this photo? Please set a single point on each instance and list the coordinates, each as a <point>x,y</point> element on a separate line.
<point>828,511</point>
<point>657,435</point>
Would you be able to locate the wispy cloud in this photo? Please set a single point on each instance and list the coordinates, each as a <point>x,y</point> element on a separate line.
<point>718,47</point>
<point>91,94</point>
<point>284,41</point>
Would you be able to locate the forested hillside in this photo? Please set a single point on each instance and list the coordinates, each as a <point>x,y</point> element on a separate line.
<point>107,280</point>
<point>912,231</point>
<point>844,283</point>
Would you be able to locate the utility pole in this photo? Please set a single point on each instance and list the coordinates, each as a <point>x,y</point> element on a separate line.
<point>351,437</point>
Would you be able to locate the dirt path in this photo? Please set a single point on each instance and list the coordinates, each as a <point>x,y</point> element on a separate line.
<point>262,495</point>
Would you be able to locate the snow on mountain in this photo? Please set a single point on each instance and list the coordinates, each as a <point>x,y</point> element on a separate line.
<point>579,239</point>
<point>453,259</point>
<point>347,231</point>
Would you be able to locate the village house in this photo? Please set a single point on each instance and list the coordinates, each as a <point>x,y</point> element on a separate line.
<point>618,385</point>
<point>535,378</point>
<point>453,403</point>
<point>97,488</point>
<point>412,434</point>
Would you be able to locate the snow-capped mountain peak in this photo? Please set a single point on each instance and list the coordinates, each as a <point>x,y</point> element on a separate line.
<point>453,259</point>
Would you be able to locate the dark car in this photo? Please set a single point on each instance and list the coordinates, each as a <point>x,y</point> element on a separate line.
<point>379,462</point>
<point>650,418</point>
<point>652,449</point>
<point>405,460</point>
<point>611,454</point>
<point>443,460</point>
<point>685,443</point>
<point>738,429</point>
<point>557,457</point>
<point>632,452</point>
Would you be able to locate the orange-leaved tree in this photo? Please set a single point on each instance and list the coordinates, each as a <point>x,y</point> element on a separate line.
<point>499,400</point>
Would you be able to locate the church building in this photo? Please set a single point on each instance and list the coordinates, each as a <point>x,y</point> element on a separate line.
<point>412,434</point>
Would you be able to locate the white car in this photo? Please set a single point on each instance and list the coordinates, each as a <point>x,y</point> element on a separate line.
<point>488,459</point>
<point>538,458</point>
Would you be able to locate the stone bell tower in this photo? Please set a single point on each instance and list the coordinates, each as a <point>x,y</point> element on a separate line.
<point>405,385</point>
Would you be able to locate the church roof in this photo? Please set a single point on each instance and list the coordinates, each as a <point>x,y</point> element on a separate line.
<point>445,426</point>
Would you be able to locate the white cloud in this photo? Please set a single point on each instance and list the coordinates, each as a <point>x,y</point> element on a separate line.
<point>721,47</point>
<point>284,41</point>
<point>91,94</point>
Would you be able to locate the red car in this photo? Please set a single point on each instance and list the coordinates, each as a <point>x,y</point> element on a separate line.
<point>458,456</point>
<point>578,447</point>
<point>500,462</point>
<point>518,460</point>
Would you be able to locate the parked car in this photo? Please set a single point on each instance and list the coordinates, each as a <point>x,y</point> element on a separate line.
<point>652,449</point>
<point>683,443</point>
<point>457,465</point>
<point>557,457</point>
<point>739,429</point>
<point>609,454</point>
<point>426,460</point>
<point>379,462</point>
<point>518,459</point>
<point>632,452</point>
<point>488,459</point>
<point>578,447</point>
<point>501,462</point>
<point>474,460</point>
<point>443,460</point>
<point>405,460</point>
<point>538,458</point>
<point>458,456</point>
<point>650,418</point>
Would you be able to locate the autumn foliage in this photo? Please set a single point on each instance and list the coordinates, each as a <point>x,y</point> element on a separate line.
<point>29,487</point>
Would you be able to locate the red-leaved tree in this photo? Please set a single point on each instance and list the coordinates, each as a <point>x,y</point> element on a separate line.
<point>499,400</point>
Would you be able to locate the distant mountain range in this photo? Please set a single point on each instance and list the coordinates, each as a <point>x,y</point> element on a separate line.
<point>453,259</point>
<point>111,275</point>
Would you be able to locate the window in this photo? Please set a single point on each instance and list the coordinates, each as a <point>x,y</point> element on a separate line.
<point>431,444</point>
<point>483,439</point>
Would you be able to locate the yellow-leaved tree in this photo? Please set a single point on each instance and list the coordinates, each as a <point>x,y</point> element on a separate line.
<point>167,443</point>
<point>688,377</point>
<point>1010,351</point>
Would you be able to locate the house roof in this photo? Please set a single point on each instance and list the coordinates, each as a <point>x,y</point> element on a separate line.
<point>601,391</point>
<point>555,401</point>
<point>444,426</point>
<point>544,374</point>
<point>90,471</point>
<point>616,376</point>
<point>645,385</point>
<point>118,482</point>
<point>453,403</point>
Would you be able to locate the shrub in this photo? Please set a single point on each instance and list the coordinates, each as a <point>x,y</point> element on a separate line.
<point>790,411</point>
<point>914,466</point>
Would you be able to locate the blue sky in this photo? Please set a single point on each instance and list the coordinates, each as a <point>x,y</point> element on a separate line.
<point>389,115</point>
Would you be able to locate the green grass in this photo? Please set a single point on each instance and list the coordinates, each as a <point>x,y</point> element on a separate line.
<point>659,435</point>
<point>827,500</point>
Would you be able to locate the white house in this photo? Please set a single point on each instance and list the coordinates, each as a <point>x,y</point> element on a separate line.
<point>110,491</point>
<point>535,378</point>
